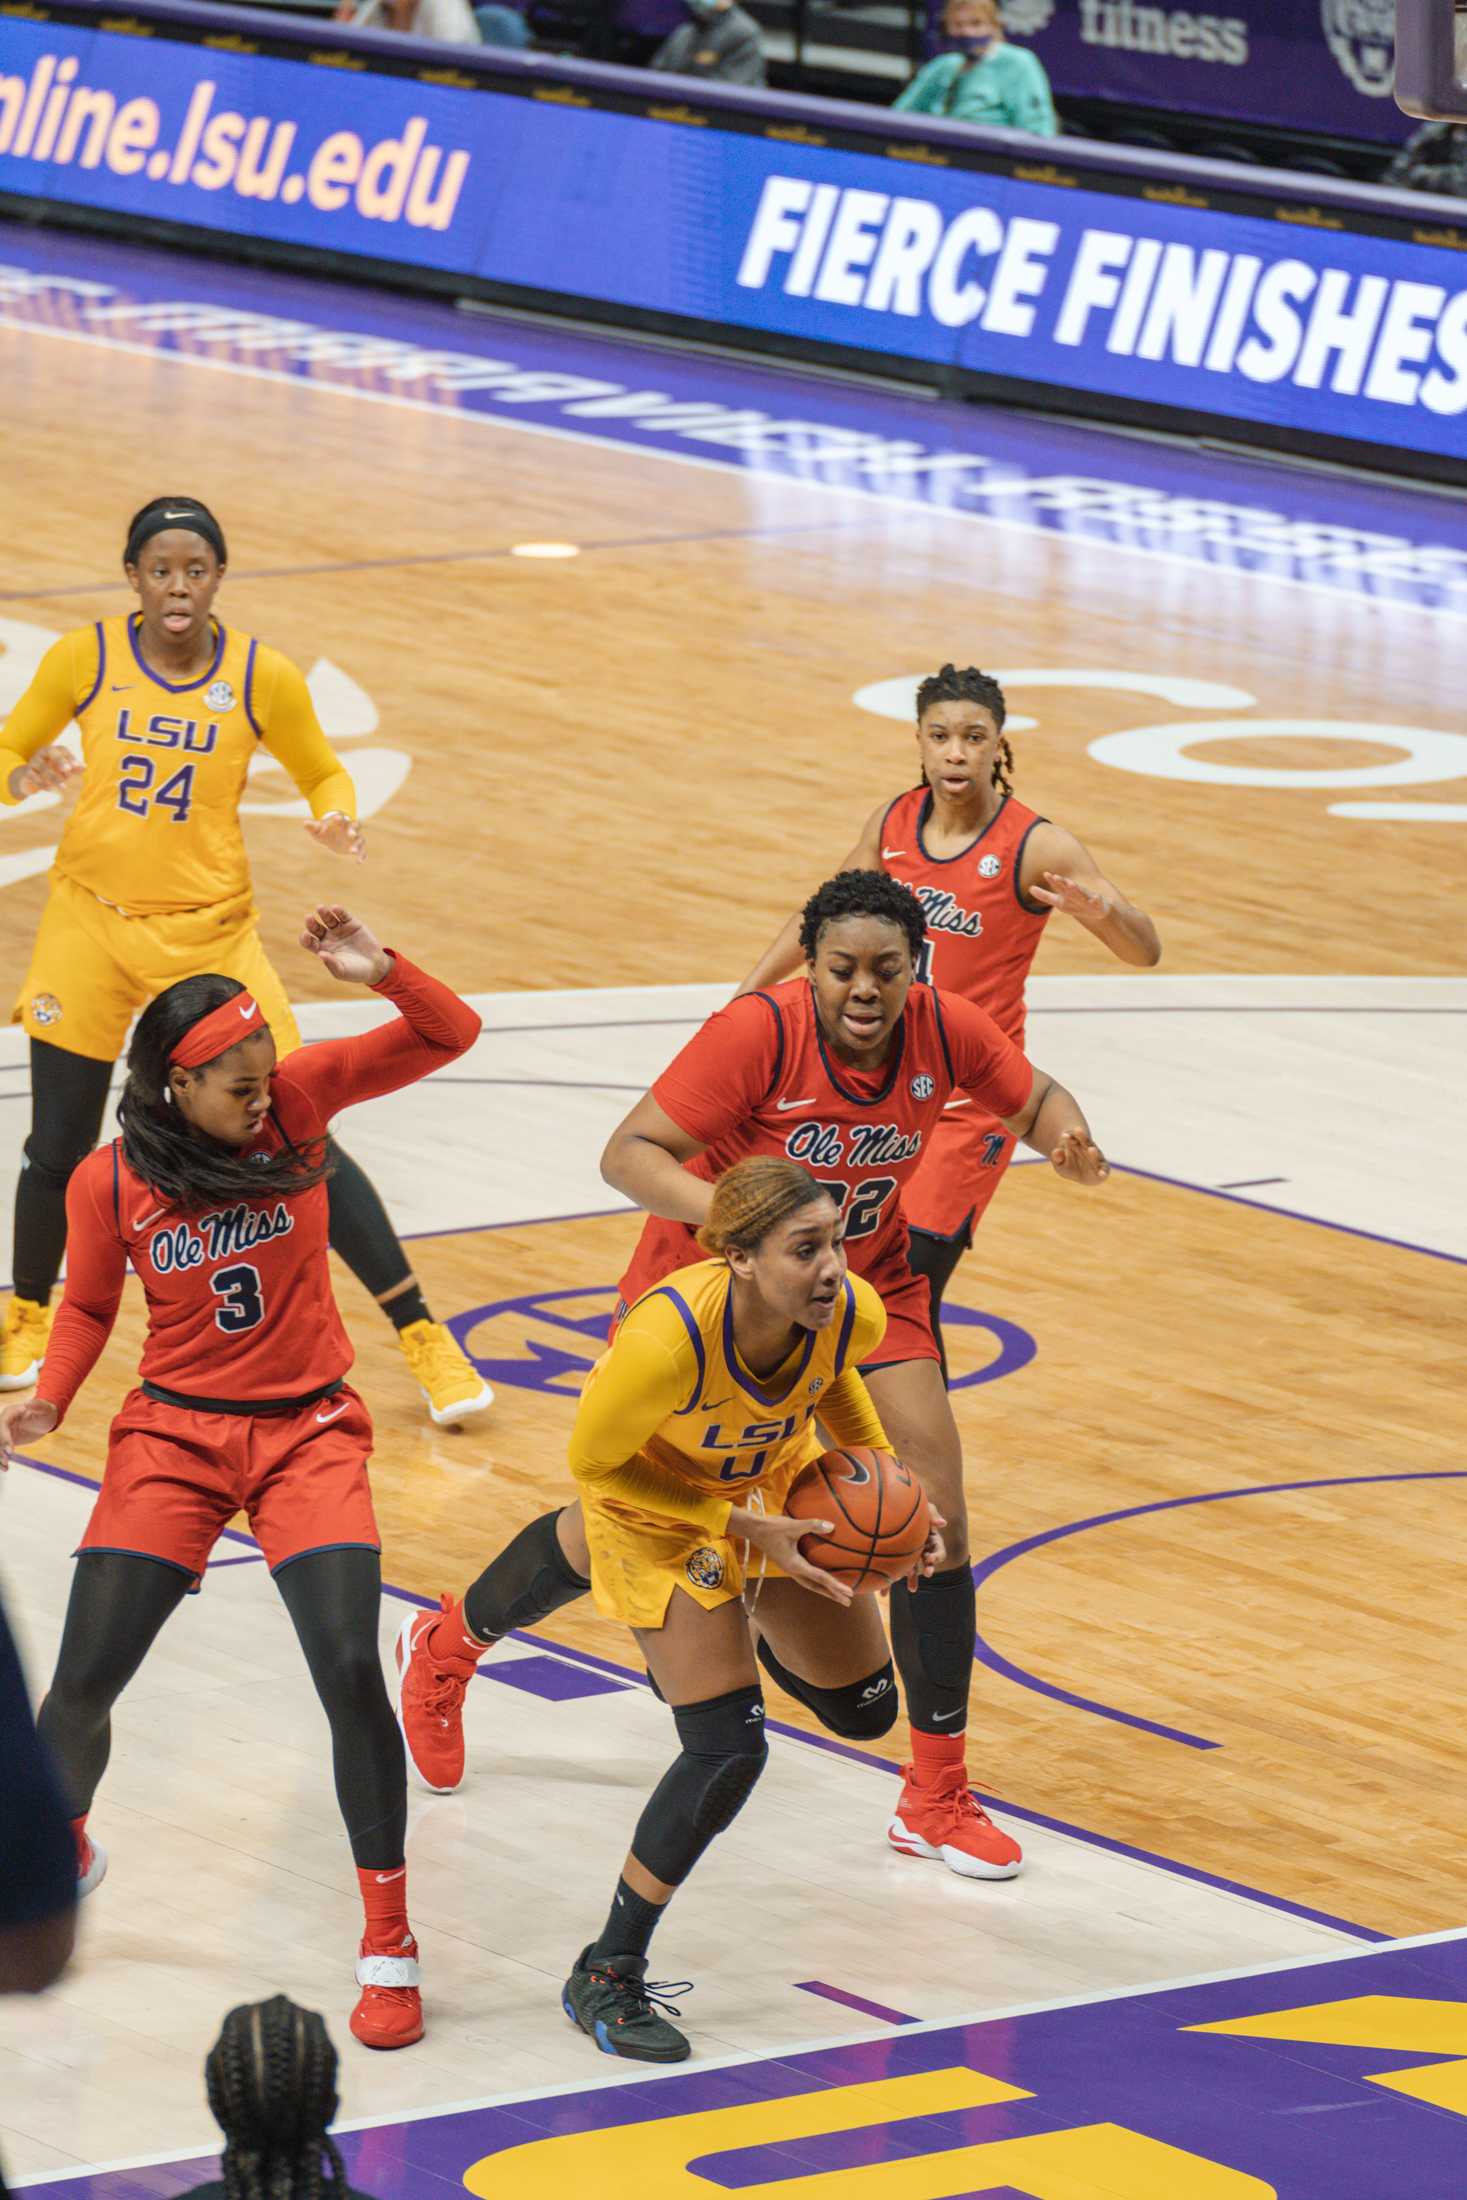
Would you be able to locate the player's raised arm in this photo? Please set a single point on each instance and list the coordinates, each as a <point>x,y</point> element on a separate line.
<point>29,763</point>
<point>1060,872</point>
<point>784,956</point>
<point>435,1027</point>
<point>291,731</point>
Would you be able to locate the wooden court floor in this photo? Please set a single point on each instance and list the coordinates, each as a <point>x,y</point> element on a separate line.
<point>622,766</point>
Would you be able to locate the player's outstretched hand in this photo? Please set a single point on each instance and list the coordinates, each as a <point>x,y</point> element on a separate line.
<point>46,773</point>
<point>778,1537</point>
<point>24,1422</point>
<point>1069,897</point>
<point>349,951</point>
<point>1079,1159</point>
<point>340,833</point>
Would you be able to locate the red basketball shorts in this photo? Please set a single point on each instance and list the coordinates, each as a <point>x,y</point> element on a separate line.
<point>176,1477</point>
<point>908,1302</point>
<point>962,1166</point>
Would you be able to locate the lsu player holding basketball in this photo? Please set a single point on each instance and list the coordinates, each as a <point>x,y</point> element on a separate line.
<point>845,1071</point>
<point>689,1433</point>
<point>989,872</point>
<point>150,885</point>
<point>216,1193</point>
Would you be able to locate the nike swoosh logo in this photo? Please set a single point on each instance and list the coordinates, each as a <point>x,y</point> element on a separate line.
<point>178,515</point>
<point>385,1879</point>
<point>334,1414</point>
<point>784,1106</point>
<point>122,687</point>
<point>942,1718</point>
<point>143,1220</point>
<point>888,853</point>
<point>247,1010</point>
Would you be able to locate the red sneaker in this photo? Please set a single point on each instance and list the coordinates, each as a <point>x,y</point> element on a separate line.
<point>430,1704</point>
<point>389,2012</point>
<point>945,1821</point>
<point>91,1865</point>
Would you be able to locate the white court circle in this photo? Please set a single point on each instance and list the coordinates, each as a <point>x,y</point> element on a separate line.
<point>1163,752</point>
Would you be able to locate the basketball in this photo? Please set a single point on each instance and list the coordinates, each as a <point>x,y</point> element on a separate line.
<point>880,1511</point>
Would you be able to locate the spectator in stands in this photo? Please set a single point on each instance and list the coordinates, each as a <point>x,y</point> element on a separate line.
<point>1433,158</point>
<point>986,81</point>
<point>446,22</point>
<point>271,2078</point>
<point>721,41</point>
<point>37,1852</point>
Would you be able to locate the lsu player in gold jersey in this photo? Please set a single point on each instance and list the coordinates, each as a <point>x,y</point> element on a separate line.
<point>151,885</point>
<point>690,1431</point>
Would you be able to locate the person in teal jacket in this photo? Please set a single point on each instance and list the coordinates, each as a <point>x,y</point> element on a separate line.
<point>987,80</point>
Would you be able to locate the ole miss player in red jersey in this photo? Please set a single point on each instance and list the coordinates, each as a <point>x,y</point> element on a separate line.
<point>988,871</point>
<point>216,1193</point>
<point>846,1071</point>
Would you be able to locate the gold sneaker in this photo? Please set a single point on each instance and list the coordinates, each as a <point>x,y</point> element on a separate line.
<point>23,1337</point>
<point>449,1381</point>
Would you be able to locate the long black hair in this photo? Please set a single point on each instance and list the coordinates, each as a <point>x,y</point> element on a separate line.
<point>187,1170</point>
<point>971,686</point>
<point>862,894</point>
<point>271,2076</point>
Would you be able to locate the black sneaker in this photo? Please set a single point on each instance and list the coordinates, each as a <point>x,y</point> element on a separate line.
<point>613,2005</point>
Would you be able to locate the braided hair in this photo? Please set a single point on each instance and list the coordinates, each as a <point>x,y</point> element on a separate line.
<point>971,686</point>
<point>753,1198</point>
<point>862,894</point>
<point>171,1158</point>
<point>271,2078</point>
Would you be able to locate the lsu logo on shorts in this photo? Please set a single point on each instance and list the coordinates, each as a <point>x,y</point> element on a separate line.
<point>705,1568</point>
<point>45,1008</point>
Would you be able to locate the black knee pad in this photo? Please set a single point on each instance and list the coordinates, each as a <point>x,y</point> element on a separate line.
<point>859,1712</point>
<point>51,1162</point>
<point>724,1751</point>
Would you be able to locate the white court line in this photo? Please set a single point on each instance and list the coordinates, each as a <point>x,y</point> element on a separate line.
<point>1352,599</point>
<point>831,2044</point>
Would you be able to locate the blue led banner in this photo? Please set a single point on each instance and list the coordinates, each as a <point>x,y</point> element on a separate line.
<point>1133,290</point>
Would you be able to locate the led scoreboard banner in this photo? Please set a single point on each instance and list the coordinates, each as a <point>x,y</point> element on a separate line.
<point>1293,312</point>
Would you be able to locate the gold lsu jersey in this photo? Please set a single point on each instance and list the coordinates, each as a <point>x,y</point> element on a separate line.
<point>672,1424</point>
<point>156,825</point>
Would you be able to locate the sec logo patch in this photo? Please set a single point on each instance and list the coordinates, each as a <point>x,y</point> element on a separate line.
<point>922,1088</point>
<point>45,1008</point>
<point>220,696</point>
<point>705,1568</point>
<point>989,866</point>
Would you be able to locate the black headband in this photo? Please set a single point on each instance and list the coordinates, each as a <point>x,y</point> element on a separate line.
<point>174,512</point>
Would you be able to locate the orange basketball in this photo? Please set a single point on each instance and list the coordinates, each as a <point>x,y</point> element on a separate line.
<point>880,1514</point>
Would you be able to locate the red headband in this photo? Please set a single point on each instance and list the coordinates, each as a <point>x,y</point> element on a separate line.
<point>224,1027</point>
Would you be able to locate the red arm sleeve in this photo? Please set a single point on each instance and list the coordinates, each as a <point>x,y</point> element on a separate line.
<point>724,1071</point>
<point>985,1062</point>
<point>434,1028</point>
<point>96,1267</point>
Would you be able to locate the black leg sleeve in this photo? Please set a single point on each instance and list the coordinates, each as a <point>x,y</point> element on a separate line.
<point>530,1579</point>
<point>117,1605</point>
<point>932,1633</point>
<point>361,1232</point>
<point>332,1598</point>
<point>68,1099</point>
<point>936,1258</point>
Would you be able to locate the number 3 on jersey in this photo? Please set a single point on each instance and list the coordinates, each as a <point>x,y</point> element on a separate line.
<point>241,1301</point>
